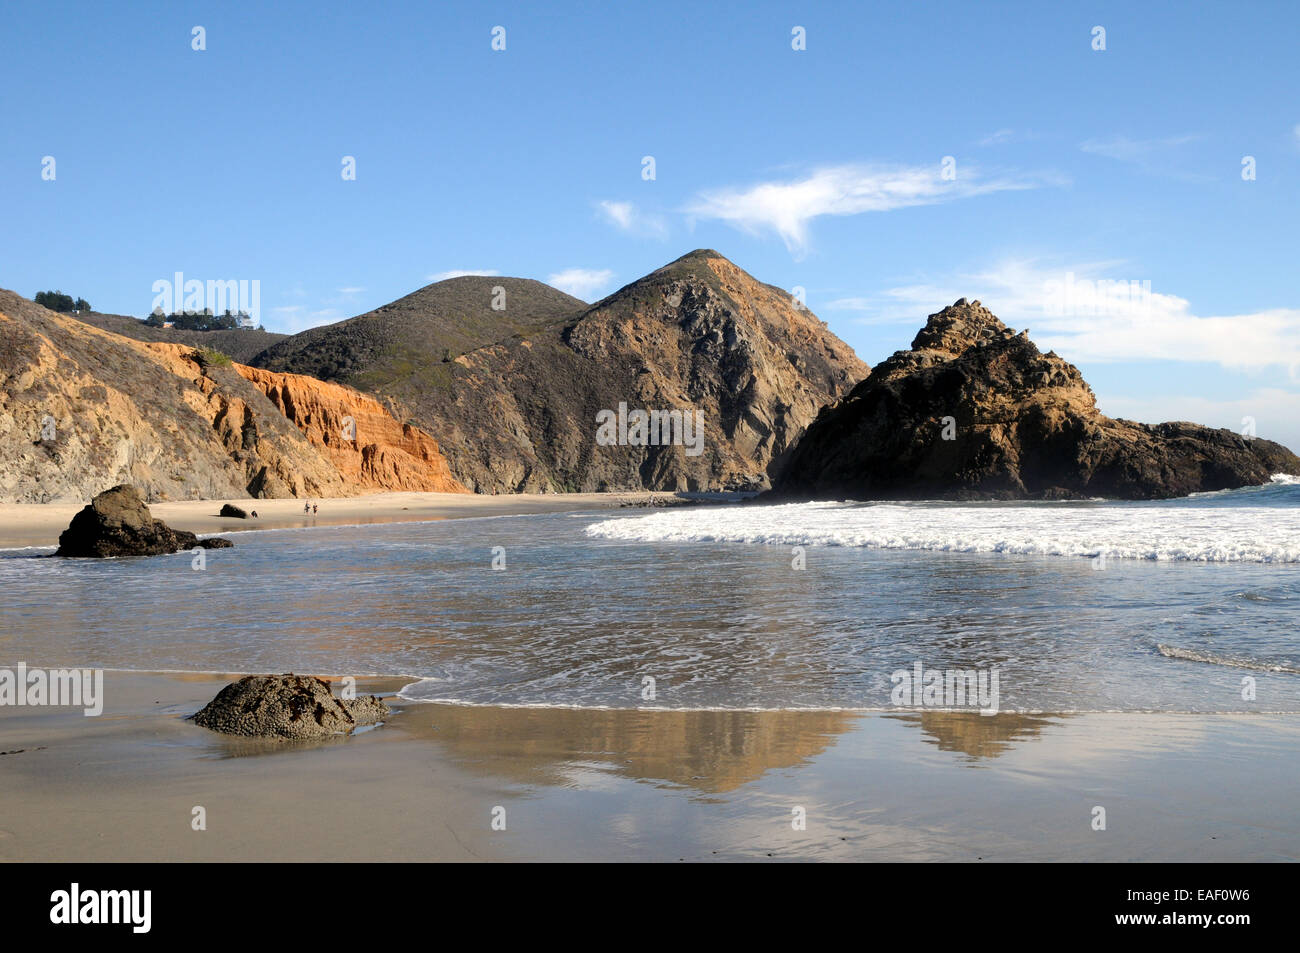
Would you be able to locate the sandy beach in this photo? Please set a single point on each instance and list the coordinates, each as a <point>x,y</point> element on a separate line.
<point>39,524</point>
<point>642,785</point>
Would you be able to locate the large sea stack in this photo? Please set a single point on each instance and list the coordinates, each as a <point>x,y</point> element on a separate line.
<point>975,411</point>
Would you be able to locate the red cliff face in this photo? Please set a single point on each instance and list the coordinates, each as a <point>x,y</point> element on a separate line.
<point>370,449</point>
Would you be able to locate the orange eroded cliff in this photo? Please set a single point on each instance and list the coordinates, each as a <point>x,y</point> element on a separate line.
<point>363,441</point>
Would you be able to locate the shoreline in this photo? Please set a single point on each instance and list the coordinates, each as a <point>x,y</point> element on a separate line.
<point>33,525</point>
<point>389,686</point>
<point>585,784</point>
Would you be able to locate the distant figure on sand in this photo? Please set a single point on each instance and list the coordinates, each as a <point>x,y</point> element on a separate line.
<point>313,509</point>
<point>306,507</point>
<point>254,514</point>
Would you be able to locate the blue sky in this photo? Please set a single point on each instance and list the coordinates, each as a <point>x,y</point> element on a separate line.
<point>821,168</point>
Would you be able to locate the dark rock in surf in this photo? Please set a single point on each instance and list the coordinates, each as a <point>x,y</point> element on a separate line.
<point>117,523</point>
<point>287,706</point>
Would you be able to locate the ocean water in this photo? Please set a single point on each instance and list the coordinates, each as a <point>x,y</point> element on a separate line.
<point>1184,605</point>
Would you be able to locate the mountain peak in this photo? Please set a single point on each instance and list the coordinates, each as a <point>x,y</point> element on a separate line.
<point>695,262</point>
<point>959,327</point>
<point>700,254</point>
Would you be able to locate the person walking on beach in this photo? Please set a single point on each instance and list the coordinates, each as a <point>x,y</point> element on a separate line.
<point>306,507</point>
<point>313,509</point>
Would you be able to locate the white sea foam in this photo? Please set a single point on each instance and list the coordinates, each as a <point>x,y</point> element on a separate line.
<point>1169,531</point>
<point>1233,661</point>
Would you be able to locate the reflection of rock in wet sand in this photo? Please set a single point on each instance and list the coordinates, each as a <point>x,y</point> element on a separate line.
<point>980,736</point>
<point>712,751</point>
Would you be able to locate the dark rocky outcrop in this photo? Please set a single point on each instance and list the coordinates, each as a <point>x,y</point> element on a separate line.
<point>287,706</point>
<point>117,523</point>
<point>229,509</point>
<point>513,394</point>
<point>1023,425</point>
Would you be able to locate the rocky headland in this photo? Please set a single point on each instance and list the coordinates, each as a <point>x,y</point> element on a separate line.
<point>974,410</point>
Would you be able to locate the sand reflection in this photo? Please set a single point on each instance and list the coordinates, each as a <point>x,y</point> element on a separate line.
<point>710,751</point>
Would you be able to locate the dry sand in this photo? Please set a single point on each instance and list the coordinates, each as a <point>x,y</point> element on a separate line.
<point>643,785</point>
<point>39,524</point>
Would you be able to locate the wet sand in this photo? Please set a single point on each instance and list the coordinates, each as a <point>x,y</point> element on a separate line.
<point>39,524</point>
<point>583,784</point>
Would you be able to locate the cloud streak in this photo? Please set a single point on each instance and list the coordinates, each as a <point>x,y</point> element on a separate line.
<point>1071,312</point>
<point>1139,151</point>
<point>1150,155</point>
<point>581,282</point>
<point>627,217</point>
<point>789,207</point>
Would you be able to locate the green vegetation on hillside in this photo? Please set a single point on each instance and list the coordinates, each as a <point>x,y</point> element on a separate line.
<point>416,338</point>
<point>58,301</point>
<point>211,357</point>
<point>241,344</point>
<point>203,320</point>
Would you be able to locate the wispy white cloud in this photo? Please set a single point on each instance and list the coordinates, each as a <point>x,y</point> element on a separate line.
<point>850,304</point>
<point>1003,136</point>
<point>1070,310</point>
<point>788,207</point>
<point>351,291</point>
<point>999,137</point>
<point>457,273</point>
<point>581,282</point>
<point>291,319</point>
<point>1133,150</point>
<point>627,217</point>
<point>1296,133</point>
<point>1150,155</point>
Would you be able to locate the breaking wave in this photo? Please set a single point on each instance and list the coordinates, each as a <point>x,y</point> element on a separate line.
<point>1254,525</point>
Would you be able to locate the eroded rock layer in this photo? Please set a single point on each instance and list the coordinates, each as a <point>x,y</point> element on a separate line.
<point>82,409</point>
